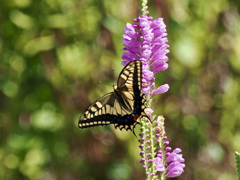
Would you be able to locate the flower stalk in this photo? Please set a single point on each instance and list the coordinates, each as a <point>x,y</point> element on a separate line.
<point>146,40</point>
<point>237,154</point>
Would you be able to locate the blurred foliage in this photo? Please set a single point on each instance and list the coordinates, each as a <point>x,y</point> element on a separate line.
<point>53,55</point>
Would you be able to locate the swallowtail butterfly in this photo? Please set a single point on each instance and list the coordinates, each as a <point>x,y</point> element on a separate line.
<point>123,106</point>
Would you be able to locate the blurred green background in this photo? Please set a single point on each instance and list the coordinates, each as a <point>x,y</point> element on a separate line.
<point>54,53</point>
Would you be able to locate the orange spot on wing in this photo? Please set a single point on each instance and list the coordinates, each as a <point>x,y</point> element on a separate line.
<point>136,117</point>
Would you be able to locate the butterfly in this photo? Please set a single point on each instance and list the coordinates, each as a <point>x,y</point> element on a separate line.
<point>123,106</point>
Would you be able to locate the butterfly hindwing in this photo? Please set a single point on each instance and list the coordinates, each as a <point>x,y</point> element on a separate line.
<point>102,111</point>
<point>121,107</point>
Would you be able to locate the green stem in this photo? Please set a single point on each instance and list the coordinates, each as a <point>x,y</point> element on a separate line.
<point>152,151</point>
<point>237,154</point>
<point>143,7</point>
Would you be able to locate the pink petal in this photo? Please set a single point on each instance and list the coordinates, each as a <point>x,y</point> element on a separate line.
<point>160,68</point>
<point>174,172</point>
<point>161,89</point>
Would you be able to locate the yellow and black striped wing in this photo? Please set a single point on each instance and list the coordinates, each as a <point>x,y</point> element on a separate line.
<point>129,86</point>
<point>123,106</point>
<point>108,109</point>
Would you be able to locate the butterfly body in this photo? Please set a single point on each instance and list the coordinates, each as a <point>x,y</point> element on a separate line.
<point>123,106</point>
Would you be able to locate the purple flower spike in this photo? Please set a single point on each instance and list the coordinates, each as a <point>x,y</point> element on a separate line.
<point>149,46</point>
<point>146,41</point>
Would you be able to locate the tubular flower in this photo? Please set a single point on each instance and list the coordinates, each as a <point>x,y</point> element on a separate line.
<point>159,163</point>
<point>176,163</point>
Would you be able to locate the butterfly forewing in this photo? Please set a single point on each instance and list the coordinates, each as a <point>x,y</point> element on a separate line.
<point>121,107</point>
<point>131,76</point>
